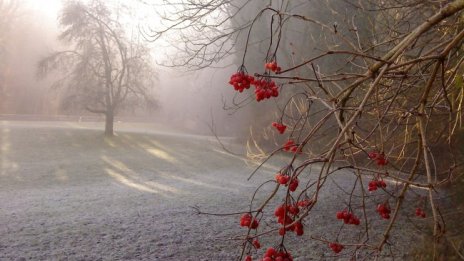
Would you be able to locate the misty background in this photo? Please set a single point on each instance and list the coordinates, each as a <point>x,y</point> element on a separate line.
<point>29,30</point>
<point>192,91</point>
<point>100,190</point>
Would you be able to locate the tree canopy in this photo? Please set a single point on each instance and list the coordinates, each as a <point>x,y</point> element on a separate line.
<point>105,67</point>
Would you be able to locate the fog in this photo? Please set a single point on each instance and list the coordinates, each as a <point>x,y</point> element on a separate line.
<point>339,105</point>
<point>24,40</point>
<point>190,99</point>
<point>195,100</point>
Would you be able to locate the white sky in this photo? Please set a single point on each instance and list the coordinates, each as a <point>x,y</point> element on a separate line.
<point>140,14</point>
<point>48,7</point>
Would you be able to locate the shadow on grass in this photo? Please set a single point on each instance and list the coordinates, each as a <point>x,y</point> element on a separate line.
<point>165,165</point>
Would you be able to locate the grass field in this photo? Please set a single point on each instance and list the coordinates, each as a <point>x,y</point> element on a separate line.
<point>67,193</point>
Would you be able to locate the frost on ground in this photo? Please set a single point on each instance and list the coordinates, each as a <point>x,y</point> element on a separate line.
<point>66,193</point>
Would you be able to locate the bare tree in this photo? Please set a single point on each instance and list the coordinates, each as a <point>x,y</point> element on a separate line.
<point>104,69</point>
<point>378,97</point>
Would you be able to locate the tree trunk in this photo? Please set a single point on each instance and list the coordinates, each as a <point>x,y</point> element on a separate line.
<point>109,120</point>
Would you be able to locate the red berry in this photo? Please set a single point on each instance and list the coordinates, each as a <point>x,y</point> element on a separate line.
<point>298,229</point>
<point>280,127</point>
<point>285,220</point>
<point>256,244</point>
<point>293,184</point>
<point>282,179</point>
<point>420,213</point>
<point>354,220</point>
<point>245,220</point>
<point>288,145</point>
<point>270,252</point>
<point>294,210</point>
<point>348,217</point>
<point>372,185</point>
<point>384,210</point>
<point>283,256</point>
<point>248,258</point>
<point>254,224</point>
<point>382,161</point>
<point>248,221</point>
<point>279,211</point>
<point>378,157</point>
<point>272,66</point>
<point>336,247</point>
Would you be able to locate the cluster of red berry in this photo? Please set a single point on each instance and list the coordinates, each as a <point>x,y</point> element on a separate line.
<point>241,81</point>
<point>280,127</point>
<point>291,146</point>
<point>265,89</point>
<point>420,213</point>
<point>348,217</point>
<point>272,255</point>
<point>284,180</point>
<point>375,183</point>
<point>282,213</point>
<point>297,228</point>
<point>336,247</point>
<point>384,210</point>
<point>248,221</point>
<point>286,215</point>
<point>272,66</point>
<point>378,157</point>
